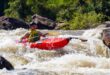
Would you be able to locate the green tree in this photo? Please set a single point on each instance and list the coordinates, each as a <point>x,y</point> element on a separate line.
<point>78,14</point>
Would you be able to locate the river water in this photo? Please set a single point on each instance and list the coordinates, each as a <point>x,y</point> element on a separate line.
<point>77,58</point>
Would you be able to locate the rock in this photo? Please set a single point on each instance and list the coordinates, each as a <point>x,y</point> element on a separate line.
<point>8,23</point>
<point>5,64</point>
<point>101,26</point>
<point>104,25</point>
<point>62,25</point>
<point>43,22</point>
<point>107,23</point>
<point>106,37</point>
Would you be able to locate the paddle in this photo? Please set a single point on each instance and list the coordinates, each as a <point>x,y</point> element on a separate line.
<point>83,40</point>
<point>54,33</point>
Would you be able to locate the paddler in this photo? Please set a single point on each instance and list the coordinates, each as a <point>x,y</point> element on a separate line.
<point>33,35</point>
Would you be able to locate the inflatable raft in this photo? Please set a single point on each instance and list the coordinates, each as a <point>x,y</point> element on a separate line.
<point>50,43</point>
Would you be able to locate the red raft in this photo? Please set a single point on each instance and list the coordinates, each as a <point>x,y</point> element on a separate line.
<point>50,43</point>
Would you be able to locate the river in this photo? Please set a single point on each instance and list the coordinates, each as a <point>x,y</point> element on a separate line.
<point>76,58</point>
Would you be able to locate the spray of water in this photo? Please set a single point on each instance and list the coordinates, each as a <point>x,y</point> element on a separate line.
<point>77,58</point>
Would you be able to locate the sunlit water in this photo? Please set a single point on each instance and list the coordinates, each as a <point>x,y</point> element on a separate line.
<point>77,58</point>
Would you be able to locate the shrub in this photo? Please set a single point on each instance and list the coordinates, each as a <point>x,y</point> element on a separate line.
<point>84,21</point>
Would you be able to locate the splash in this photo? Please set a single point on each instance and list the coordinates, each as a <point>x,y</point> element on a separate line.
<point>78,58</point>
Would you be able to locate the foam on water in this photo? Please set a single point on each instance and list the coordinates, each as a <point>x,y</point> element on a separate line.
<point>78,58</point>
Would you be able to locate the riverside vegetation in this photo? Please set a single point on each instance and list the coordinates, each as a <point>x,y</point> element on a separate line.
<point>75,14</point>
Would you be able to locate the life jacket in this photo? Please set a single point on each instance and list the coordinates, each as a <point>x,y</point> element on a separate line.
<point>34,36</point>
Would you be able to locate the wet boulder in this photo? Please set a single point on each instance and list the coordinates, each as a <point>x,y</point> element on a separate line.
<point>104,25</point>
<point>43,22</point>
<point>106,37</point>
<point>107,23</point>
<point>5,64</point>
<point>8,23</point>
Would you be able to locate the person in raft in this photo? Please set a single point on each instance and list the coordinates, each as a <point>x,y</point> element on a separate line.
<point>32,36</point>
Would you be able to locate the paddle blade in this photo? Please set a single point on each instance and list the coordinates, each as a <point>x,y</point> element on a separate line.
<point>82,39</point>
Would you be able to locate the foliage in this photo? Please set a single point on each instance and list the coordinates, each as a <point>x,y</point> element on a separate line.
<point>84,21</point>
<point>77,14</point>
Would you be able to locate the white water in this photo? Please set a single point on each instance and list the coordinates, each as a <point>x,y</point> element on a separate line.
<point>77,58</point>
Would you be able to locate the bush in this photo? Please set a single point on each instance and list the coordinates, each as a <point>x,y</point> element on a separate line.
<point>84,21</point>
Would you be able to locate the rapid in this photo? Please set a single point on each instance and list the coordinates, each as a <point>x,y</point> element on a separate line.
<point>77,58</point>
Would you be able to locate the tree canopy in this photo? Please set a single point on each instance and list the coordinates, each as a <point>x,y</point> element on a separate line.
<point>77,14</point>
